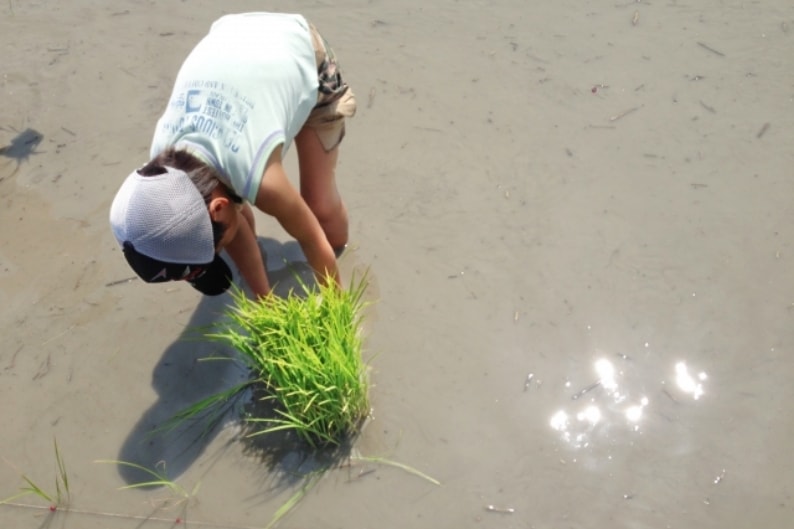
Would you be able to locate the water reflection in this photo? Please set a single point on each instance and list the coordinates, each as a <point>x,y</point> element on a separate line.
<point>608,402</point>
<point>634,413</point>
<point>687,383</point>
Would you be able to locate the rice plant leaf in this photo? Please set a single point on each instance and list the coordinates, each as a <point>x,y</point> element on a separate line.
<point>156,483</point>
<point>399,465</point>
<point>62,477</point>
<point>32,488</point>
<point>195,489</point>
<point>160,480</point>
<point>294,499</point>
<point>25,492</point>
<point>212,407</point>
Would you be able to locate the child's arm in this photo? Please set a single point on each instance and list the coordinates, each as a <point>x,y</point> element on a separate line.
<point>245,253</point>
<point>277,197</point>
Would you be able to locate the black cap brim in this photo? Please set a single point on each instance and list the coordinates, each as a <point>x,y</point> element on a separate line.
<point>211,279</point>
<point>215,280</point>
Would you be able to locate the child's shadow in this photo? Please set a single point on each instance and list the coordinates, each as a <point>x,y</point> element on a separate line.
<point>194,368</point>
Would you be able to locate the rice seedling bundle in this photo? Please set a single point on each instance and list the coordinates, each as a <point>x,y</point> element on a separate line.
<point>306,351</point>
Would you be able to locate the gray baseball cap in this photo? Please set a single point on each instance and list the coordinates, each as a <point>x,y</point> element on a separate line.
<point>164,229</point>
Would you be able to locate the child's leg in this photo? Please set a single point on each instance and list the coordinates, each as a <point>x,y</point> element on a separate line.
<point>318,186</point>
<point>318,144</point>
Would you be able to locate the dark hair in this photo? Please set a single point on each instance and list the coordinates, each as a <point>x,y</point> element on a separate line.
<point>203,176</point>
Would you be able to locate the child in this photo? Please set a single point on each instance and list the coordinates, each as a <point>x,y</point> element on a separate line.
<point>256,83</point>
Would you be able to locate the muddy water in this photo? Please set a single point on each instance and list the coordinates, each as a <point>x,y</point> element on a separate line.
<point>596,196</point>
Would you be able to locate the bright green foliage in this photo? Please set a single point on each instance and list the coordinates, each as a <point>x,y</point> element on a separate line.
<point>306,350</point>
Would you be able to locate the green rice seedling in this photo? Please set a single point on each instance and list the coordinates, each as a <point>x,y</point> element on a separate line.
<point>312,478</point>
<point>397,464</point>
<point>209,410</point>
<point>290,504</point>
<point>60,498</point>
<point>305,349</point>
<point>61,478</point>
<point>158,479</point>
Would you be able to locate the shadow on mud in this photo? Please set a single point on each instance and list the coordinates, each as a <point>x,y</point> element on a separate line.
<point>194,368</point>
<point>20,149</point>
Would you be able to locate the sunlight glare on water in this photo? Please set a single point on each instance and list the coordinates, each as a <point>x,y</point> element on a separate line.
<point>609,402</point>
<point>687,383</point>
<point>591,415</point>
<point>603,402</point>
<point>606,374</point>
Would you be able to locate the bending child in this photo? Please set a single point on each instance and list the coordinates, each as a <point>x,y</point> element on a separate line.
<point>254,85</point>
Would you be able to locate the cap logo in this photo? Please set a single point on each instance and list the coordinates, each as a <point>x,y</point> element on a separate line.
<point>161,274</point>
<point>190,275</point>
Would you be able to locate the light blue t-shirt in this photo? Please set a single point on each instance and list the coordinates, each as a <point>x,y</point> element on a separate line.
<point>246,88</point>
